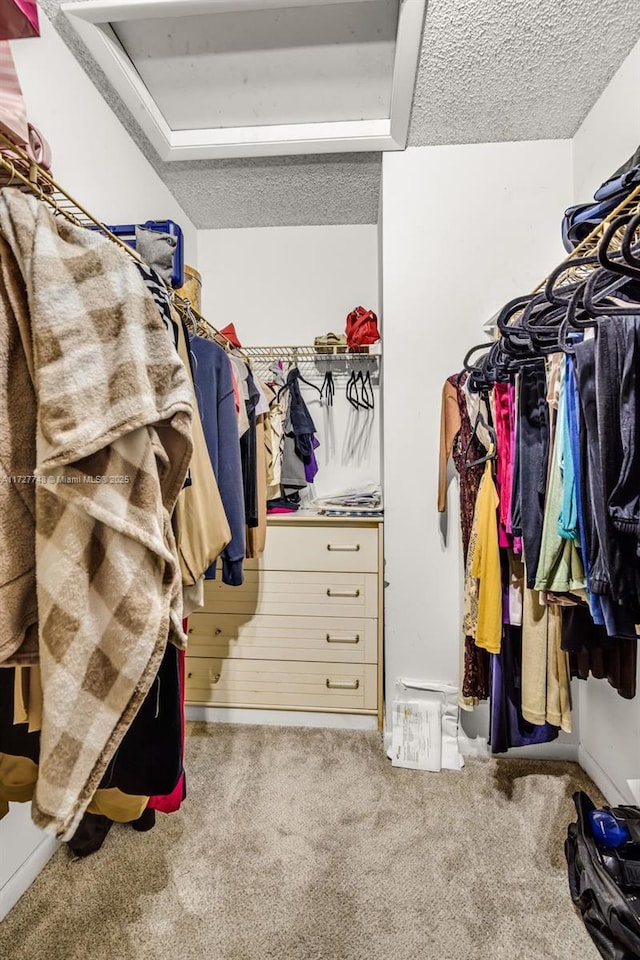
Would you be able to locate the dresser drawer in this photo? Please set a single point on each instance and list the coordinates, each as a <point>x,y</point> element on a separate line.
<point>319,547</point>
<point>275,684</point>
<point>279,593</point>
<point>283,638</point>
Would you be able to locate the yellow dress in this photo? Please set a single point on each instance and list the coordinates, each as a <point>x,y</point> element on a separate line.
<point>485,566</point>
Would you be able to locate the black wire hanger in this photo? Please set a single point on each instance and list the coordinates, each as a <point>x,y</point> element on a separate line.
<point>293,375</point>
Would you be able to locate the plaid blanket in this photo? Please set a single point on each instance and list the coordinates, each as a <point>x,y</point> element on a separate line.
<point>112,434</point>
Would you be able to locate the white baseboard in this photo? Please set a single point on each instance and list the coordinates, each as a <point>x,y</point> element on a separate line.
<point>283,718</point>
<point>26,873</point>
<point>613,793</point>
<point>555,750</point>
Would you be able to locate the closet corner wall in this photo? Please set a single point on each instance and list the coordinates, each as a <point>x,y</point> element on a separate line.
<point>286,650</point>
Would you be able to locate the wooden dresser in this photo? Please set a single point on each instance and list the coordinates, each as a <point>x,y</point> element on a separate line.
<point>304,632</point>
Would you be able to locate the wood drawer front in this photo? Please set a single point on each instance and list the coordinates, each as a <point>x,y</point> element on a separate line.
<point>334,549</point>
<point>278,593</point>
<point>281,683</point>
<point>283,638</point>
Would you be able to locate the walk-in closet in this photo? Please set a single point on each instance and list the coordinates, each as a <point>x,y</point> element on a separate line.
<point>318,479</point>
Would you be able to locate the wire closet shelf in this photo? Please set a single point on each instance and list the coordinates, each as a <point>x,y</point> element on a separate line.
<point>19,170</point>
<point>310,354</point>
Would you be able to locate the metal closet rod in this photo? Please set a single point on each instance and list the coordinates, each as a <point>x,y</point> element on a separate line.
<point>40,182</point>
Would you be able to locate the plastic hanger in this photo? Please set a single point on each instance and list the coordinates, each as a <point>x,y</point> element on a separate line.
<point>350,389</point>
<point>363,398</point>
<point>367,387</point>
<point>329,386</point>
<point>492,453</point>
<point>297,376</point>
<point>627,248</point>
<point>618,266</point>
<point>509,310</point>
<point>596,291</point>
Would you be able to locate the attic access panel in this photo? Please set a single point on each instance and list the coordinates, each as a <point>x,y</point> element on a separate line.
<point>208,79</point>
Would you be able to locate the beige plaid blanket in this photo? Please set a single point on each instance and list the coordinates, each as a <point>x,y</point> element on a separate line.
<point>103,421</point>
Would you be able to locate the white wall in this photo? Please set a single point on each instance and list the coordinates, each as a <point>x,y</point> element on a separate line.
<point>610,132</point>
<point>609,726</point>
<point>465,228</point>
<point>287,285</point>
<point>94,157</point>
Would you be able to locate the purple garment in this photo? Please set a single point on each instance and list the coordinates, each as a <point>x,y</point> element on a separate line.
<point>507,726</point>
<point>311,468</point>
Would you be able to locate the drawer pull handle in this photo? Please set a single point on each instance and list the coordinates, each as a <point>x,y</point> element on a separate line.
<point>217,632</point>
<point>355,639</point>
<point>214,677</point>
<point>343,593</point>
<point>342,684</point>
<point>344,547</point>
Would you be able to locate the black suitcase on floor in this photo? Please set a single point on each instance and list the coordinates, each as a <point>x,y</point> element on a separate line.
<point>610,909</point>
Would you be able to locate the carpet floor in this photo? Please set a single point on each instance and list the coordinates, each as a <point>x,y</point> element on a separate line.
<point>306,844</point>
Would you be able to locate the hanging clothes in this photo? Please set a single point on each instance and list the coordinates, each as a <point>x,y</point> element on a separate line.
<point>216,403</point>
<point>249,456</point>
<point>504,395</point>
<point>534,449</point>
<point>508,724</point>
<point>460,442</point>
<point>113,401</point>
<point>485,566</point>
<point>545,676</point>
<point>559,565</point>
<point>299,465</point>
<point>257,535</point>
<point>199,520</point>
<point>560,381</point>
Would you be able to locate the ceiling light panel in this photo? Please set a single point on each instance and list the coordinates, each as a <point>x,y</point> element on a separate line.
<point>231,78</point>
<point>272,66</point>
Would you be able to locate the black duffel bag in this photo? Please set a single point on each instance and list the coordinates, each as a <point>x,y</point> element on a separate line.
<point>610,909</point>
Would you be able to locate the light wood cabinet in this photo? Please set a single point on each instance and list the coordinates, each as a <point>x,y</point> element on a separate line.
<point>304,632</point>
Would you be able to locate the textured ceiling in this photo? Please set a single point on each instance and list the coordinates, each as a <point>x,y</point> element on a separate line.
<point>490,70</point>
<point>499,70</point>
<point>278,191</point>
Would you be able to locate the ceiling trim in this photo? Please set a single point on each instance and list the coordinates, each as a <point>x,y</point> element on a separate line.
<point>92,20</point>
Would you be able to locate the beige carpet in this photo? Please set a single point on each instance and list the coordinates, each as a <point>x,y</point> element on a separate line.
<point>307,845</point>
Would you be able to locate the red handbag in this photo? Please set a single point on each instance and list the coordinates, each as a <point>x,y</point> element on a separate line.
<point>362,328</point>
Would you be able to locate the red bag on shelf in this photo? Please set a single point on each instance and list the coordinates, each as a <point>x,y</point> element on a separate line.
<point>362,328</point>
<point>18,19</point>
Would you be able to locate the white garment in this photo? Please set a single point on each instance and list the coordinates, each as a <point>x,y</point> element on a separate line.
<point>476,405</point>
<point>192,596</point>
<point>242,375</point>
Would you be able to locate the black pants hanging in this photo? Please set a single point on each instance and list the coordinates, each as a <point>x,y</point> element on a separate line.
<point>593,503</point>
<point>533,449</point>
<point>617,355</point>
<point>606,378</point>
<point>149,759</point>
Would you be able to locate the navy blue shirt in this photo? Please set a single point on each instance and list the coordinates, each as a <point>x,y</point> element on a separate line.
<point>216,402</point>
